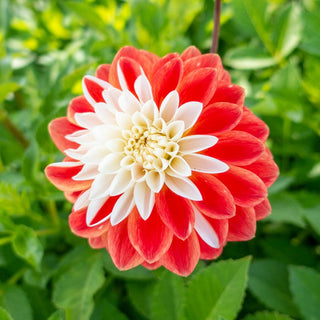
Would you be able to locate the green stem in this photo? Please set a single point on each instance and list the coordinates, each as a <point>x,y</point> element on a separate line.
<point>14,279</point>
<point>216,26</point>
<point>51,206</point>
<point>5,240</point>
<point>46,232</point>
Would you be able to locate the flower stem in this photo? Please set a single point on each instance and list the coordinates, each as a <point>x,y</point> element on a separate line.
<point>216,26</point>
<point>6,121</point>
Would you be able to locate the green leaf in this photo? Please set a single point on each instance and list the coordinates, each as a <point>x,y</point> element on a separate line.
<point>265,315</point>
<point>15,301</point>
<point>217,291</point>
<point>58,315</point>
<point>304,285</point>
<point>7,88</point>
<point>248,58</point>
<point>288,30</point>
<point>105,310</point>
<point>268,281</point>
<point>311,30</point>
<point>168,297</point>
<point>313,217</point>
<point>75,288</point>
<point>4,315</point>
<point>27,245</point>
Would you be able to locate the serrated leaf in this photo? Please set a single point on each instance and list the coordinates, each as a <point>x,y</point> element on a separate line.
<point>4,315</point>
<point>12,297</point>
<point>75,288</point>
<point>304,285</point>
<point>265,315</point>
<point>268,281</point>
<point>27,245</point>
<point>217,291</point>
<point>168,297</point>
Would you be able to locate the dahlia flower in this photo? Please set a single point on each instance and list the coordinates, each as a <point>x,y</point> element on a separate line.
<point>163,162</point>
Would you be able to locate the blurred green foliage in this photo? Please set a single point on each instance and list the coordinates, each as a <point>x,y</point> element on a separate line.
<point>272,49</point>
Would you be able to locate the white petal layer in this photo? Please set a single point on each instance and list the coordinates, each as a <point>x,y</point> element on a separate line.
<point>189,113</point>
<point>144,199</point>
<point>191,144</point>
<point>93,208</point>
<point>183,187</point>
<point>169,106</point>
<point>202,163</point>
<point>100,186</point>
<point>205,230</point>
<point>86,93</point>
<point>87,120</point>
<point>82,201</point>
<point>122,207</point>
<point>88,172</point>
<point>143,89</point>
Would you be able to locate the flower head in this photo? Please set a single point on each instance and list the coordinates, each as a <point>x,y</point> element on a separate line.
<point>164,163</point>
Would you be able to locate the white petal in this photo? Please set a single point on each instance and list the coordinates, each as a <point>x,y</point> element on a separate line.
<point>82,201</point>
<point>122,207</point>
<point>105,113</point>
<point>80,136</point>
<point>155,180</point>
<point>139,119</point>
<point>205,230</point>
<point>180,166</point>
<point>111,97</point>
<point>191,144</point>
<point>124,120</point>
<point>100,186</point>
<point>175,130</point>
<point>202,163</point>
<point>105,132</point>
<point>138,172</point>
<point>111,163</point>
<point>129,103</point>
<point>183,187</point>
<point>144,199</point>
<point>115,145</point>
<point>95,154</point>
<point>189,113</point>
<point>122,79</point>
<point>120,183</point>
<point>87,120</point>
<point>143,89</point>
<point>169,106</point>
<point>88,172</point>
<point>77,153</point>
<point>66,164</point>
<point>86,93</point>
<point>93,208</point>
<point>150,110</point>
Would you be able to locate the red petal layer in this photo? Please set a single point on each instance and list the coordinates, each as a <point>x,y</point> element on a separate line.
<point>265,168</point>
<point>190,52</point>
<point>72,196</point>
<point>183,255</point>
<point>166,79</point>
<point>58,129</point>
<point>217,199</point>
<point>175,212</point>
<point>237,148</point>
<point>123,254</point>
<point>103,72</point>
<point>61,178</point>
<point>152,266</point>
<point>262,210</point>
<point>217,118</point>
<point>151,238</point>
<point>253,125</point>
<point>242,226</point>
<point>78,105</point>
<point>78,225</point>
<point>230,93</point>
<point>247,188</point>
<point>98,242</point>
<point>94,89</point>
<point>203,61</point>
<point>198,85</point>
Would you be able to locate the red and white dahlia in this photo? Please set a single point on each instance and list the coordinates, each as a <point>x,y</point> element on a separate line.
<point>164,163</point>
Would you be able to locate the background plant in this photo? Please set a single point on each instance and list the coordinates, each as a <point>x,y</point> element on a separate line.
<point>272,48</point>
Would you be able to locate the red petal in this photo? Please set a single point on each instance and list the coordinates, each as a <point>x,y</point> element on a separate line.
<point>190,52</point>
<point>123,254</point>
<point>217,199</point>
<point>183,255</point>
<point>203,61</point>
<point>175,212</point>
<point>247,188</point>
<point>237,148</point>
<point>152,266</point>
<point>263,209</point>
<point>58,129</point>
<point>103,72</point>
<point>230,93</point>
<point>198,85</point>
<point>97,242</point>
<point>72,196</point>
<point>95,90</point>
<point>78,225</point>
<point>217,118</point>
<point>151,238</point>
<point>242,226</point>
<point>61,178</point>
<point>162,61</point>
<point>265,168</point>
<point>78,105</point>
<point>225,79</point>
<point>253,125</point>
<point>166,79</point>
